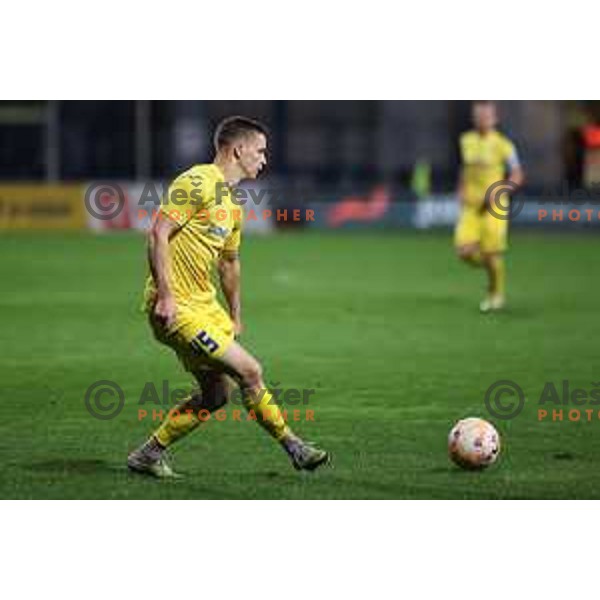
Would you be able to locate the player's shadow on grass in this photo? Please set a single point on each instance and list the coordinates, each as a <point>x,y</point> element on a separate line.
<point>513,312</point>
<point>460,305</point>
<point>76,466</point>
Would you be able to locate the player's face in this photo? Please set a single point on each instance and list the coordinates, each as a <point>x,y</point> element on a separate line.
<point>485,117</point>
<point>253,155</point>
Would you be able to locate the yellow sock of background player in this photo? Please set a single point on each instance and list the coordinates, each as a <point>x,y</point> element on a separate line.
<point>496,272</point>
<point>498,276</point>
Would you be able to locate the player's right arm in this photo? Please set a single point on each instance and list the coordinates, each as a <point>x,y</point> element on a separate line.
<point>159,258</point>
<point>182,201</point>
<point>460,187</point>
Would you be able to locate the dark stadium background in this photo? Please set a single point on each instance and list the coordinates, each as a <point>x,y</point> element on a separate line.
<point>379,318</point>
<point>332,143</point>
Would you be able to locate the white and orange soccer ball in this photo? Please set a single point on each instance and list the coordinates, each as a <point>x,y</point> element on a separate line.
<point>473,443</point>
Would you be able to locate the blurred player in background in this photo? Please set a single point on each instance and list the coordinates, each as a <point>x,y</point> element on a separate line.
<point>186,242</point>
<point>487,157</point>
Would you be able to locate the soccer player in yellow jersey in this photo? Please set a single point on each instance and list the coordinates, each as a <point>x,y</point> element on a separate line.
<point>199,228</point>
<point>488,157</point>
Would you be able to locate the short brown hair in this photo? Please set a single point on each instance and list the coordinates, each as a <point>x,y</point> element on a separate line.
<point>232,128</point>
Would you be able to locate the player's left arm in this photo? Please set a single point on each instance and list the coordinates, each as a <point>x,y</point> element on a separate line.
<point>229,267</point>
<point>516,174</point>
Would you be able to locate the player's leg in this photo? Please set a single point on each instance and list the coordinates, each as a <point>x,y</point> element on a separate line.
<point>470,254</point>
<point>203,337</point>
<point>495,269</point>
<point>185,417</point>
<point>493,246</point>
<point>467,237</point>
<point>194,410</point>
<point>247,371</point>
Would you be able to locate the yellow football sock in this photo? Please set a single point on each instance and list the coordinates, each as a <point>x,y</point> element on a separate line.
<point>498,276</point>
<point>496,272</point>
<point>267,413</point>
<point>178,424</point>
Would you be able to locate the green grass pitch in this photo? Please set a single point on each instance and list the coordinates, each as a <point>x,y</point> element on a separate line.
<point>383,326</point>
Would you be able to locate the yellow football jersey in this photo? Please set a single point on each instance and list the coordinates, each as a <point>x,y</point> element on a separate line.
<point>199,201</point>
<point>484,160</point>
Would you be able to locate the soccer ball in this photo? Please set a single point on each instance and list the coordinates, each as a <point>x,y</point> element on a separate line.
<point>473,443</point>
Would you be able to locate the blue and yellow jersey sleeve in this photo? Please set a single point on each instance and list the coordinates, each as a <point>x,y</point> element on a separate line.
<point>234,239</point>
<point>189,193</point>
